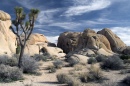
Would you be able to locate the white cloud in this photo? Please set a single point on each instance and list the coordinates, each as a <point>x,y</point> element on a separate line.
<point>47,16</point>
<point>66,25</point>
<point>84,6</point>
<point>52,39</point>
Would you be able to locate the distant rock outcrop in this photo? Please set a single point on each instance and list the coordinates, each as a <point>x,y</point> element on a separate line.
<point>103,42</point>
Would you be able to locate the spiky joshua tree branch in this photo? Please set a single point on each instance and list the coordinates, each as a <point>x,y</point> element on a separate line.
<point>23,28</point>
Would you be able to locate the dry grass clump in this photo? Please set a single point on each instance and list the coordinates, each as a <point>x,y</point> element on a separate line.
<point>95,74</point>
<point>8,74</point>
<point>78,67</point>
<point>66,79</point>
<point>106,83</point>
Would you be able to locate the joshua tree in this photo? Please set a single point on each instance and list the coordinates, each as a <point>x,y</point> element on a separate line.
<point>23,28</point>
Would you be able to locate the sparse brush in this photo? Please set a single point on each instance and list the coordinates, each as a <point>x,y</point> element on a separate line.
<point>113,63</point>
<point>30,65</point>
<point>8,74</point>
<point>58,64</point>
<point>92,60</point>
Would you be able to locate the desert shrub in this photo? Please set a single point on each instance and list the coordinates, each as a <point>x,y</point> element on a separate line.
<point>58,64</point>
<point>73,61</point>
<point>8,74</point>
<point>12,61</point>
<point>92,60</point>
<point>63,78</point>
<point>113,63</point>
<point>94,74</point>
<point>51,69</point>
<point>125,57</point>
<point>29,65</point>
<point>73,82</point>
<point>100,58</point>
<point>66,79</point>
<point>40,58</point>
<point>126,80</point>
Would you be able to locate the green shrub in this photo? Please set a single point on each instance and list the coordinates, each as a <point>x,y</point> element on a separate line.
<point>8,74</point>
<point>113,63</point>
<point>58,64</point>
<point>30,65</point>
<point>127,80</point>
<point>125,57</point>
<point>100,58</point>
<point>92,60</point>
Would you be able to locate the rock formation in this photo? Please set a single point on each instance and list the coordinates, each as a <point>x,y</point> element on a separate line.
<point>89,42</point>
<point>116,43</point>
<point>89,39</point>
<point>7,38</point>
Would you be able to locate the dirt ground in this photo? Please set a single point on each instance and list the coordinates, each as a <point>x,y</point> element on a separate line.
<point>49,79</point>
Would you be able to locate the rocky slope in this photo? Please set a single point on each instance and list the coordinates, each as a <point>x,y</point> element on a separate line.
<point>91,42</point>
<point>37,43</point>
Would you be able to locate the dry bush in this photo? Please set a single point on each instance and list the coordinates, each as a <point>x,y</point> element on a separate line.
<point>8,74</point>
<point>51,69</point>
<point>101,58</point>
<point>66,79</point>
<point>30,65</point>
<point>106,83</point>
<point>113,63</point>
<point>58,64</point>
<point>63,78</point>
<point>95,74</point>
<point>12,61</point>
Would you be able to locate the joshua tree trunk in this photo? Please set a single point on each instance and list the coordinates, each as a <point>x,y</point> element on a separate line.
<point>23,28</point>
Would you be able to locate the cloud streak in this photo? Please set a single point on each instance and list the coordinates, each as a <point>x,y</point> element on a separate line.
<point>82,6</point>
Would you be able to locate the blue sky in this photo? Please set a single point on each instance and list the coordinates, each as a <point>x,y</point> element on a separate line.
<point>57,16</point>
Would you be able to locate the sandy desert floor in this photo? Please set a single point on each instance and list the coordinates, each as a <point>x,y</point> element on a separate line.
<point>49,79</point>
